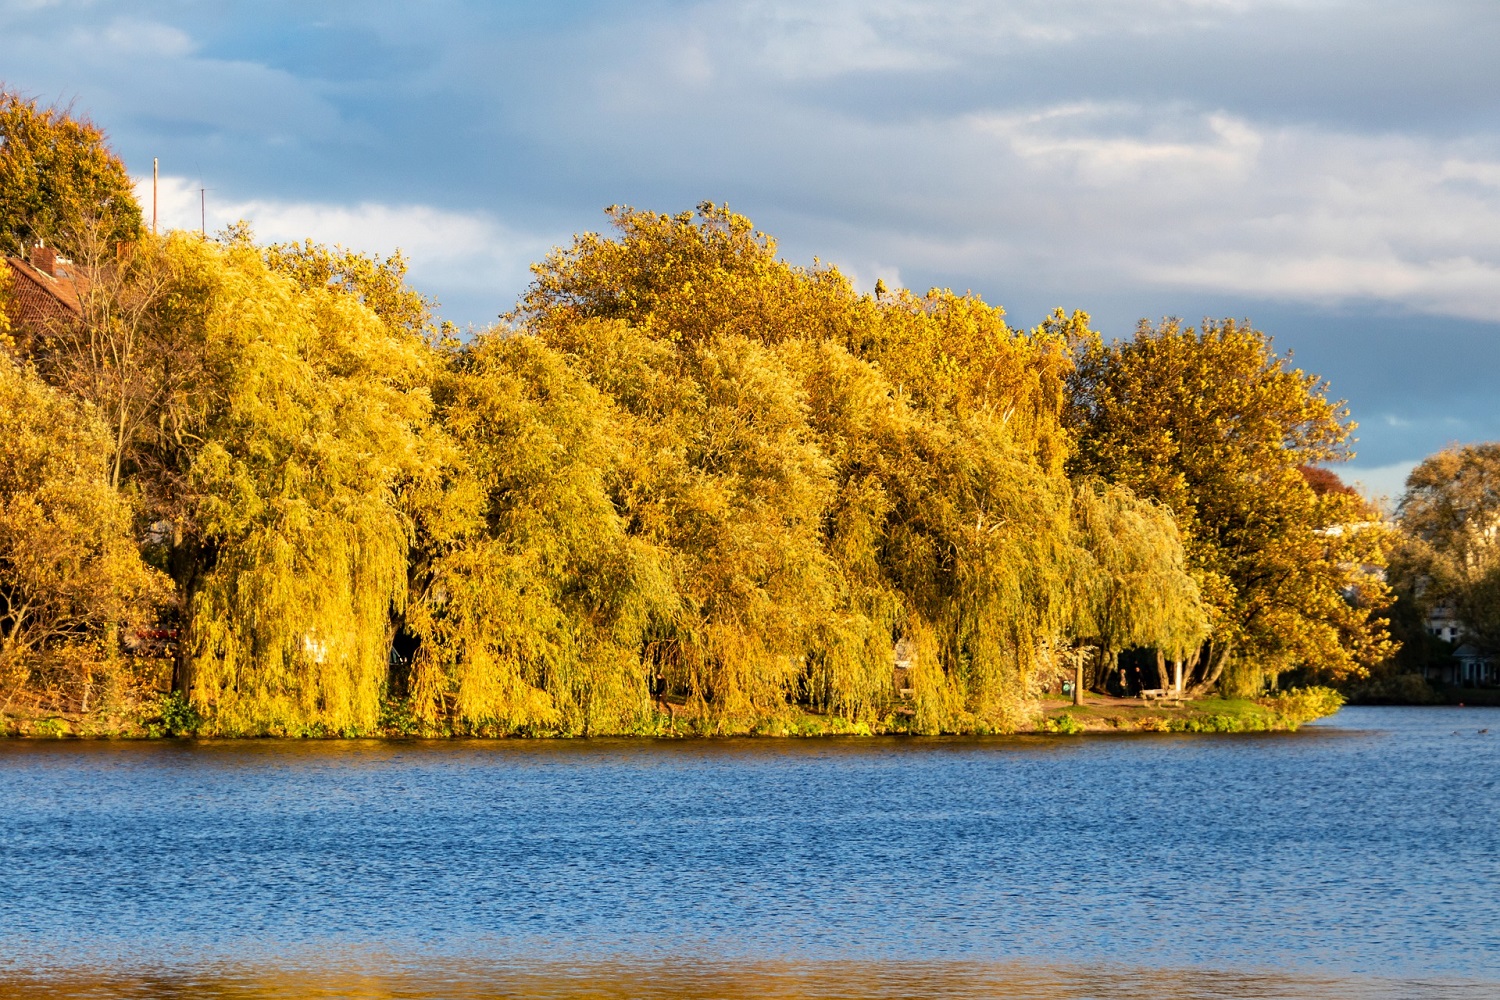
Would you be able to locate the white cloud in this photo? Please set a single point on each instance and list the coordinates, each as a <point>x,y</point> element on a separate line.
<point>1382,484</point>
<point>448,253</point>
<point>801,41</point>
<point>1119,195</point>
<point>139,39</point>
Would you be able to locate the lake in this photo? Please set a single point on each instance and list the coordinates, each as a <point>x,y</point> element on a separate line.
<point>1359,857</point>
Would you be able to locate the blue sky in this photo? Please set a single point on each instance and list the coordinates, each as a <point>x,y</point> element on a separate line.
<point>1328,168</point>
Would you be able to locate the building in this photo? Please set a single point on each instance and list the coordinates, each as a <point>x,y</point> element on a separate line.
<point>1471,664</point>
<point>44,294</point>
<point>1473,667</point>
<point>1442,623</point>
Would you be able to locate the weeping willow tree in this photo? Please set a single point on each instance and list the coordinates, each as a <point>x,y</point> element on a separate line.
<point>1136,589</point>
<point>825,472</point>
<point>535,601</point>
<point>683,477</point>
<point>279,468</point>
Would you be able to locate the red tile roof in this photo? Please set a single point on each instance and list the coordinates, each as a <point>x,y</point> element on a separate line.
<point>38,302</point>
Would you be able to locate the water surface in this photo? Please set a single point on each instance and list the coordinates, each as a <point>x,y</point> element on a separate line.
<point>1358,857</point>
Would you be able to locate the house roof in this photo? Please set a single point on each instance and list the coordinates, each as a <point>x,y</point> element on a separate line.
<point>39,299</point>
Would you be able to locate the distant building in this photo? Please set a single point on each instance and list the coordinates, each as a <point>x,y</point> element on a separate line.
<point>1442,623</point>
<point>1472,665</point>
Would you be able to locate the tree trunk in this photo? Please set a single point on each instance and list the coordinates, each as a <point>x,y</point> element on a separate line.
<point>187,565</point>
<point>1078,657</point>
<point>1161,670</point>
<point>1218,656</point>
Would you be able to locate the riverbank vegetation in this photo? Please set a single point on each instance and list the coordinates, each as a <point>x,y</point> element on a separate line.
<point>684,486</point>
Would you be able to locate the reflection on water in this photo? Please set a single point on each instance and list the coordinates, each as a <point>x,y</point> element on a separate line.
<point>1357,858</point>
<point>758,981</point>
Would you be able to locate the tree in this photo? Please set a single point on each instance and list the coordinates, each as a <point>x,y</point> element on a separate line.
<point>58,178</point>
<point>1215,425</point>
<point>1136,590</point>
<point>69,569</point>
<point>380,285</point>
<point>125,354</point>
<point>276,478</point>
<point>534,603</point>
<point>826,471</point>
<point>1451,513</point>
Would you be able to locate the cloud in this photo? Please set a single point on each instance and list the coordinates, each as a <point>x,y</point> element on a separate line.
<point>1315,160</point>
<point>137,39</point>
<point>472,258</point>
<point>1383,484</point>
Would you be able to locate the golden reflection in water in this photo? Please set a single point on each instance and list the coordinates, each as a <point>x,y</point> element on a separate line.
<point>469,980</point>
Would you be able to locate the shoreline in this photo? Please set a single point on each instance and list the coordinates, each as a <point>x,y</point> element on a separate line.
<point>1099,715</point>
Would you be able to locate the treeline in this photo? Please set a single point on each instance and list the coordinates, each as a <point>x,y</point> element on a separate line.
<point>1444,573</point>
<point>682,478</point>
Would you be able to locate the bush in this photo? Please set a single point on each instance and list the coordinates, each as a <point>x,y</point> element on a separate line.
<point>174,717</point>
<point>1301,705</point>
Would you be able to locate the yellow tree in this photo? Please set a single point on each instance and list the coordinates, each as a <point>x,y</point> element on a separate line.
<point>1451,514</point>
<point>1215,425</point>
<point>1135,588</point>
<point>828,471</point>
<point>58,178</point>
<point>276,477</point>
<point>534,603</point>
<point>69,569</point>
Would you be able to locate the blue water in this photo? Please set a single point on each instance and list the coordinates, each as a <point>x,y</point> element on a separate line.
<point>1362,854</point>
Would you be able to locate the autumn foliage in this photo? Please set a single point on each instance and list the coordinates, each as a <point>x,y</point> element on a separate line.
<point>684,485</point>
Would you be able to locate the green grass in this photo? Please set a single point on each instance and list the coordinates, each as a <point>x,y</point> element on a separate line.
<point>1281,712</point>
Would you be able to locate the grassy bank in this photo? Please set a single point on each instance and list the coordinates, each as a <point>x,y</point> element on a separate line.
<point>1283,712</point>
<point>156,716</point>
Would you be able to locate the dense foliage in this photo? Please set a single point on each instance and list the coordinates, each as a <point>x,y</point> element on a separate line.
<point>1219,428</point>
<point>1450,514</point>
<point>58,178</point>
<point>684,485</point>
<point>69,569</point>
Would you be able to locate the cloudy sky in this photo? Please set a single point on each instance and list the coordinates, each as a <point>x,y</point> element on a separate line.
<point>1329,169</point>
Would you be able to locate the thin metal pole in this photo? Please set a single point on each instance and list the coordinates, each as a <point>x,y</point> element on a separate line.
<point>203,212</point>
<point>155,173</point>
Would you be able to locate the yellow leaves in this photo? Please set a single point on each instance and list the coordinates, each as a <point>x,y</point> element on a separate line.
<point>812,464</point>
<point>1136,589</point>
<point>57,178</point>
<point>1214,424</point>
<point>685,469</point>
<point>308,421</point>
<point>1451,513</point>
<point>68,566</point>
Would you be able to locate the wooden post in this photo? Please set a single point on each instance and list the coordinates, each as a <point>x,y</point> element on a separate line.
<point>1078,656</point>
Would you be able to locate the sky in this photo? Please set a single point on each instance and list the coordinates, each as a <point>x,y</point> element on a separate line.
<point>1328,169</point>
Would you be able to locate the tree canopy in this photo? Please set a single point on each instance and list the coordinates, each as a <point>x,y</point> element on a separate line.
<point>69,568</point>
<point>1451,513</point>
<point>1216,426</point>
<point>684,483</point>
<point>59,178</point>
